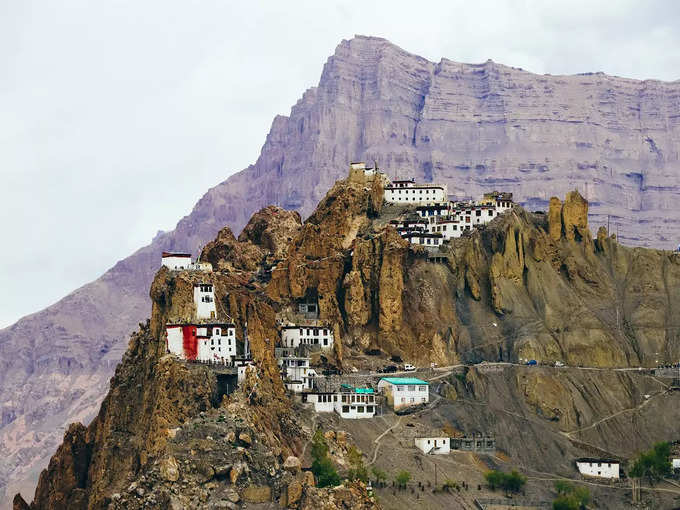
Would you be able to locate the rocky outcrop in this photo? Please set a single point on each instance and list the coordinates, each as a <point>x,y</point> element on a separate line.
<point>472,126</point>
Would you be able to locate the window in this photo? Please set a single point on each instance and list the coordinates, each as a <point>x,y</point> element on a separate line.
<point>490,212</point>
<point>422,388</point>
<point>412,388</point>
<point>369,409</point>
<point>478,212</point>
<point>335,398</point>
<point>360,409</point>
<point>345,409</point>
<point>400,388</point>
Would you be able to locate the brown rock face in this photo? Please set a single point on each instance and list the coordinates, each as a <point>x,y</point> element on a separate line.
<point>272,229</point>
<point>373,101</point>
<point>575,217</point>
<point>555,218</point>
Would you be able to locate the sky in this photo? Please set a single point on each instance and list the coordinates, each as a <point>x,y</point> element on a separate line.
<point>116,116</point>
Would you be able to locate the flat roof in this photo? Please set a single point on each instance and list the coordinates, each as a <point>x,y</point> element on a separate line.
<point>356,390</point>
<point>403,380</point>
<point>303,326</point>
<point>591,460</point>
<point>171,254</point>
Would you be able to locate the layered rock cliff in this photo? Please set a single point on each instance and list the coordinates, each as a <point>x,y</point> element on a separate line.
<point>528,286</point>
<point>473,126</point>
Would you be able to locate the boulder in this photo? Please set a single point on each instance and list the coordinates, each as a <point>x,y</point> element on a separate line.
<point>257,494</point>
<point>292,464</point>
<point>169,469</point>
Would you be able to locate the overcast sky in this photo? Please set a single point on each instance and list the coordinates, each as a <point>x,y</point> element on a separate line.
<point>116,116</point>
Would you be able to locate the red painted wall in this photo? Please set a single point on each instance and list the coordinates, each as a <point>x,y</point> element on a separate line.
<point>189,342</point>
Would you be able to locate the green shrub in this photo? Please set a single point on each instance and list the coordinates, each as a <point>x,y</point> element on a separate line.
<point>653,464</point>
<point>402,478</point>
<point>322,466</point>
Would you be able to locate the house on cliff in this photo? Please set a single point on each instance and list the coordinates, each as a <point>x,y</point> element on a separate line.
<point>401,392</point>
<point>213,342</point>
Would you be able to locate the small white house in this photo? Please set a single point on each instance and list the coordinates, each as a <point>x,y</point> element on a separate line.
<point>204,299</point>
<point>675,464</point>
<point>294,336</point>
<point>296,373</point>
<point>599,468</point>
<point>402,392</point>
<point>433,445</point>
<point>243,365</point>
<point>176,261</point>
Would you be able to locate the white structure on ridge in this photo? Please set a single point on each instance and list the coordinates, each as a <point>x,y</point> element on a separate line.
<point>210,342</point>
<point>204,299</point>
<point>348,402</point>
<point>433,445</point>
<point>599,468</point>
<point>182,261</point>
<point>408,192</point>
<point>297,335</point>
<point>402,392</point>
<point>176,261</point>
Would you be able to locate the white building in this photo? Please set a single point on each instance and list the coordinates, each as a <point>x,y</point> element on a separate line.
<point>408,192</point>
<point>426,239</point>
<point>350,403</point>
<point>402,392</point>
<point>294,336</point>
<point>297,375</point>
<point>204,299</point>
<point>600,468</point>
<point>182,262</point>
<point>176,261</point>
<point>433,445</point>
<point>209,343</point>
<point>243,365</point>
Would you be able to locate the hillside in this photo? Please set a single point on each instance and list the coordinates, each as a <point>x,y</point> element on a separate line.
<point>473,126</point>
<point>527,285</point>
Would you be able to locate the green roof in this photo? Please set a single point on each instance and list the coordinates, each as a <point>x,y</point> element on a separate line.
<point>403,380</point>
<point>356,390</point>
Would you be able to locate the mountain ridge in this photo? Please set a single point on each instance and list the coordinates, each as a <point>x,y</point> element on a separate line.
<point>473,126</point>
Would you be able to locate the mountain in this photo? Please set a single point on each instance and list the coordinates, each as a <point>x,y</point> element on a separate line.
<point>527,285</point>
<point>475,127</point>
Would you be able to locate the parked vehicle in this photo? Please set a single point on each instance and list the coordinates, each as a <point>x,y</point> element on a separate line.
<point>532,362</point>
<point>559,364</point>
<point>409,368</point>
<point>390,369</point>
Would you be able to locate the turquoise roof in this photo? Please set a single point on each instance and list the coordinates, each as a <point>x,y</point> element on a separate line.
<point>403,380</point>
<point>356,390</point>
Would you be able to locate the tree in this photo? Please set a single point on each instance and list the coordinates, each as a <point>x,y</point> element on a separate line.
<point>357,470</point>
<point>512,482</point>
<point>379,474</point>
<point>322,466</point>
<point>494,478</point>
<point>653,464</point>
<point>402,478</point>
<point>570,497</point>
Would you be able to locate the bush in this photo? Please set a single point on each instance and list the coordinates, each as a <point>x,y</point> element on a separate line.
<point>570,497</point>
<point>509,482</point>
<point>402,478</point>
<point>322,467</point>
<point>357,470</point>
<point>379,475</point>
<point>653,464</point>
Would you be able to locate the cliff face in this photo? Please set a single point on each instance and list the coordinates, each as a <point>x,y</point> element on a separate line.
<point>165,437</point>
<point>475,127</point>
<point>528,286</point>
